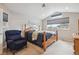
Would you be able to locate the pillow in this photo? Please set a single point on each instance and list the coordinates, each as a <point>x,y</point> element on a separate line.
<point>22,33</point>
<point>34,35</point>
<point>23,30</point>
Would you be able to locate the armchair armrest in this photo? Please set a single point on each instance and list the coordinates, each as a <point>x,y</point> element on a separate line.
<point>9,41</point>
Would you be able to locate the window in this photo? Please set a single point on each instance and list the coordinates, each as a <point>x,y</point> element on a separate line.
<point>61,23</point>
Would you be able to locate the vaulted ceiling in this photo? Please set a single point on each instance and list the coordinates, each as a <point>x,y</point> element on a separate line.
<point>36,11</point>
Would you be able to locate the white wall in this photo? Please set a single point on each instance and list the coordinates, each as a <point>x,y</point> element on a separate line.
<point>3,7</point>
<point>73,27</point>
<point>1,30</point>
<point>16,21</point>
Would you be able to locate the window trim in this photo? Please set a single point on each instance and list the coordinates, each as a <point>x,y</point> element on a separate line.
<point>63,28</point>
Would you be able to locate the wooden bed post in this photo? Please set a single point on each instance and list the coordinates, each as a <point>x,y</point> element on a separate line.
<point>44,41</point>
<point>56,35</point>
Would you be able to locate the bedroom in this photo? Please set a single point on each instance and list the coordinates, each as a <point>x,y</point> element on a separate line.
<point>37,16</point>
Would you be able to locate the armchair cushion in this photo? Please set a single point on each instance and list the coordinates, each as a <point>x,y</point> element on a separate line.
<point>14,37</point>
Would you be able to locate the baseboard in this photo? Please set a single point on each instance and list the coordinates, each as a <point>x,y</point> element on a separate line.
<point>67,40</point>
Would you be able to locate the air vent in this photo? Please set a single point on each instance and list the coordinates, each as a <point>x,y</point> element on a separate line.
<point>56,14</point>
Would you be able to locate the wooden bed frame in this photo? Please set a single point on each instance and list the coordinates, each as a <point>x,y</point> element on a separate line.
<point>47,43</point>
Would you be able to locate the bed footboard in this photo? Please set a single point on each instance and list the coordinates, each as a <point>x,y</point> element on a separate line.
<point>47,43</point>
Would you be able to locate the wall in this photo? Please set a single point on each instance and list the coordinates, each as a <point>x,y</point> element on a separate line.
<point>1,30</point>
<point>73,27</point>
<point>3,7</point>
<point>16,21</point>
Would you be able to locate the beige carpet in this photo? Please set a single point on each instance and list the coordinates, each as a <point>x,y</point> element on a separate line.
<point>58,48</point>
<point>30,50</point>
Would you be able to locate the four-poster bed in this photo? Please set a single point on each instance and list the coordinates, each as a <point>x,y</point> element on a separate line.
<point>44,39</point>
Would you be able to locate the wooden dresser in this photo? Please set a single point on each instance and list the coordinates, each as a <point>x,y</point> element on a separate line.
<point>76,44</point>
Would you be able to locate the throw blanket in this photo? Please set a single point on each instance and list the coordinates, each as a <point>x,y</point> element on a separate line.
<point>34,35</point>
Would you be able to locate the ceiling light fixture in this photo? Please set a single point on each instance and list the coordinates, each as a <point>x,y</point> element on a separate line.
<point>43,5</point>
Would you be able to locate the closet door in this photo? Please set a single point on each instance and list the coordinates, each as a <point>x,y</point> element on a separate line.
<point>1,31</point>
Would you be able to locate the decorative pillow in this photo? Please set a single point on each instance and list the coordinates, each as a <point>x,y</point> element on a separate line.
<point>34,35</point>
<point>23,31</point>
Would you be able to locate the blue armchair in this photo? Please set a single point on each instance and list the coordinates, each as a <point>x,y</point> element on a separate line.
<point>14,40</point>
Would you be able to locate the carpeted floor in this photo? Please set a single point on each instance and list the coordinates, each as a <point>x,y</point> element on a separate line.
<point>30,50</point>
<point>58,48</point>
